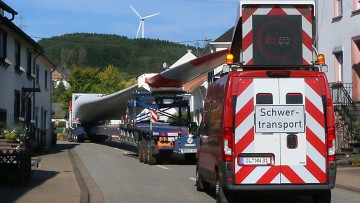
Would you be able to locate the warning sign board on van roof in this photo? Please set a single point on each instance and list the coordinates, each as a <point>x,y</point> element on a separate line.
<point>277,34</point>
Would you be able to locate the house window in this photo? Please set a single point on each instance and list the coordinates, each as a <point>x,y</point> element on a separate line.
<point>18,68</point>
<point>28,63</point>
<point>338,8</point>
<point>17,54</point>
<point>37,124</point>
<point>338,66</point>
<point>3,38</point>
<point>3,115</point>
<point>17,101</point>
<point>46,79</point>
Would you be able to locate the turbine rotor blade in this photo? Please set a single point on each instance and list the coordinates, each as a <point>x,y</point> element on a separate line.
<point>136,12</point>
<point>151,15</point>
<point>137,34</point>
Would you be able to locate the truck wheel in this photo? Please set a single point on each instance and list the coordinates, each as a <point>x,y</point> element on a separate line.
<point>151,157</point>
<point>221,195</point>
<point>323,196</point>
<point>70,137</point>
<point>80,138</point>
<point>145,153</point>
<point>141,151</point>
<point>200,184</point>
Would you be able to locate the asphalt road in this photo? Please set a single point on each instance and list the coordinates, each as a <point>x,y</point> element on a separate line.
<point>122,178</point>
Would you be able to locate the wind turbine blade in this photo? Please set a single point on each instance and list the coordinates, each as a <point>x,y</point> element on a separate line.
<point>151,15</point>
<point>137,34</point>
<point>136,12</point>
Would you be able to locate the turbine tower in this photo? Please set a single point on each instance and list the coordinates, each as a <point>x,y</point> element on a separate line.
<point>142,22</point>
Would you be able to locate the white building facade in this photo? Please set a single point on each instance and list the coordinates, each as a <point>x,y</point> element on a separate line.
<point>25,82</point>
<point>339,40</point>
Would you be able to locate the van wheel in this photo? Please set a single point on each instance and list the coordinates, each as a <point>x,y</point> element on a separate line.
<point>221,195</point>
<point>200,184</point>
<point>190,158</point>
<point>323,196</point>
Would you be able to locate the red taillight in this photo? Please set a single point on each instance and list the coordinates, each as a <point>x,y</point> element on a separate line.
<point>331,144</point>
<point>228,144</point>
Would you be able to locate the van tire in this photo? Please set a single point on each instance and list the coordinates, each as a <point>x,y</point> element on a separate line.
<point>200,184</point>
<point>323,196</point>
<point>222,196</point>
<point>190,158</point>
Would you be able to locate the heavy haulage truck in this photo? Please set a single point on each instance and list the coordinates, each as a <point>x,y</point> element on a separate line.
<point>78,131</point>
<point>159,123</point>
<point>268,124</point>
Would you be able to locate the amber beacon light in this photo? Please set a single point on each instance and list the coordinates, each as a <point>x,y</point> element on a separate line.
<point>321,59</point>
<point>229,58</point>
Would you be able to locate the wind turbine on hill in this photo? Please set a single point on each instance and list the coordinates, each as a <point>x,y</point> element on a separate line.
<point>142,22</point>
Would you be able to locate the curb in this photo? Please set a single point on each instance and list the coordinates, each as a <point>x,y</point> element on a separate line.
<point>353,189</point>
<point>90,191</point>
<point>84,192</point>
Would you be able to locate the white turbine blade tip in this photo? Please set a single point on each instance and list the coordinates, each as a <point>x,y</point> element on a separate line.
<point>135,11</point>
<point>151,15</point>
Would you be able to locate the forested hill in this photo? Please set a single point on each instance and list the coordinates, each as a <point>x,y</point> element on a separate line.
<point>131,56</point>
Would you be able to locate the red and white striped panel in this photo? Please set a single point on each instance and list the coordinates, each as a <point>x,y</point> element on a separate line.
<point>153,115</point>
<point>307,21</point>
<point>313,171</point>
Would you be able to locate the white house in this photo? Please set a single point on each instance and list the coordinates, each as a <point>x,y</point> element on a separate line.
<point>339,40</point>
<point>25,81</point>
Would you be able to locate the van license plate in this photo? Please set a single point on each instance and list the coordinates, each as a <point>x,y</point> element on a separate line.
<point>255,161</point>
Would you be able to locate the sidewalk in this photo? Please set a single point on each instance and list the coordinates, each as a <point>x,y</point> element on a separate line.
<point>52,181</point>
<point>57,179</point>
<point>348,177</point>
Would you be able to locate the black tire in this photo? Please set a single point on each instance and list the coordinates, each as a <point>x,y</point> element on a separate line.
<point>200,184</point>
<point>151,157</point>
<point>323,196</point>
<point>141,151</point>
<point>80,138</point>
<point>145,153</point>
<point>221,195</point>
<point>190,158</point>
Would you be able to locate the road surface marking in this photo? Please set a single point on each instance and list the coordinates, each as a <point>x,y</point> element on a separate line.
<point>192,179</point>
<point>116,148</point>
<point>162,167</point>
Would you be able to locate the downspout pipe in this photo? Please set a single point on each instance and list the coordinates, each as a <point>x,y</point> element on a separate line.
<point>34,85</point>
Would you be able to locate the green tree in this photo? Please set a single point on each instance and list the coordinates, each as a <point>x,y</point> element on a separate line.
<point>111,80</point>
<point>84,80</point>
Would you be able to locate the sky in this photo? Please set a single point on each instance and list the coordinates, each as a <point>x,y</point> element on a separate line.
<point>180,21</point>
